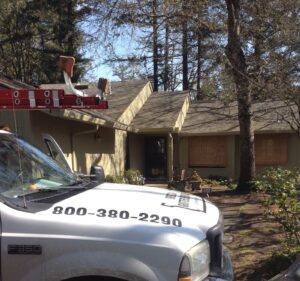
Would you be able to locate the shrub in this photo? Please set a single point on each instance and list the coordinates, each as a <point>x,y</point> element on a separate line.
<point>221,180</point>
<point>176,185</point>
<point>281,187</point>
<point>133,177</point>
<point>114,179</point>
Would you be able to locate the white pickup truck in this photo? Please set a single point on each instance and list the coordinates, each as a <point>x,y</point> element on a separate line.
<point>55,226</point>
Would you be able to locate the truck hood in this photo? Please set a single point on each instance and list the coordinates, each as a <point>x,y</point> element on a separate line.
<point>152,211</point>
<point>138,214</point>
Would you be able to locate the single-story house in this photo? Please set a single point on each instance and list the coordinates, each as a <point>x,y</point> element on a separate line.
<point>210,142</point>
<point>87,137</point>
<point>159,133</point>
<point>172,134</point>
<point>154,144</point>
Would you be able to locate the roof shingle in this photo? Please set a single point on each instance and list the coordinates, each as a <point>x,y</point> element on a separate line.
<point>160,112</point>
<point>123,93</point>
<point>7,83</point>
<point>217,118</point>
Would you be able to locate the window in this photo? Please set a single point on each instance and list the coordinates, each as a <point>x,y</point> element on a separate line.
<point>271,149</point>
<point>210,151</point>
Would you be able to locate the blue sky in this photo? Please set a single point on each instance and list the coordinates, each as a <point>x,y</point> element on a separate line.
<point>124,46</point>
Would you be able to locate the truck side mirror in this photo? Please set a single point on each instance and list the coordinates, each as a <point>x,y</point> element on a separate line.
<point>97,174</point>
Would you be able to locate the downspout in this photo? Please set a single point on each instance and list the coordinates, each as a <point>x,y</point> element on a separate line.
<point>73,135</point>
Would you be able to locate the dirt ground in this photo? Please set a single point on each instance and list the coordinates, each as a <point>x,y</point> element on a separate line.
<point>249,236</point>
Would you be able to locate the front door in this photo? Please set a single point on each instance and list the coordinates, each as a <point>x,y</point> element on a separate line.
<point>156,158</point>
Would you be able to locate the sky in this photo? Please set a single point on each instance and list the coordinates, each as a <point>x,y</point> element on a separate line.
<point>124,46</point>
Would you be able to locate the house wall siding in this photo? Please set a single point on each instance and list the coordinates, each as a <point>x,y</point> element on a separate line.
<point>77,140</point>
<point>136,152</point>
<point>118,158</point>
<point>182,114</point>
<point>294,151</point>
<point>232,169</point>
<point>95,148</point>
<point>18,121</point>
<point>62,131</point>
<point>135,106</point>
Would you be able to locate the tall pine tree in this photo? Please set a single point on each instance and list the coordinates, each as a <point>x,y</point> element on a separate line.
<point>33,34</point>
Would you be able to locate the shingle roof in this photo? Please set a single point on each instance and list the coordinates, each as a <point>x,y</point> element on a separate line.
<point>121,97</point>
<point>211,118</point>
<point>7,83</point>
<point>160,112</point>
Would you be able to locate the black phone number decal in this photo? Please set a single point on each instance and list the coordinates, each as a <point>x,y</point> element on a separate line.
<point>125,215</point>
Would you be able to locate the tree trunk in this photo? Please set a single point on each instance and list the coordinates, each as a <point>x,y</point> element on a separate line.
<point>258,44</point>
<point>237,60</point>
<point>199,96</point>
<point>199,54</point>
<point>185,70</point>
<point>155,46</point>
<point>70,28</point>
<point>166,60</point>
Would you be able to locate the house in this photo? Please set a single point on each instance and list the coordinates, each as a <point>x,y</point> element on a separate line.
<point>87,137</point>
<point>154,145</point>
<point>173,133</point>
<point>159,133</point>
<point>209,139</point>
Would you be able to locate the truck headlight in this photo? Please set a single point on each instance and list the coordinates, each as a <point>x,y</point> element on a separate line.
<point>195,263</point>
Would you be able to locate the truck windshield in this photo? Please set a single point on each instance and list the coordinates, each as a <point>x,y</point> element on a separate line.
<point>25,169</point>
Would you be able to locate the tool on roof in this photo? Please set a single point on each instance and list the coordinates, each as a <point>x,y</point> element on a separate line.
<point>66,64</point>
<point>104,87</point>
<point>54,98</point>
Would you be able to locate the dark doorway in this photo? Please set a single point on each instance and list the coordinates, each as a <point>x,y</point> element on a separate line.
<point>156,158</point>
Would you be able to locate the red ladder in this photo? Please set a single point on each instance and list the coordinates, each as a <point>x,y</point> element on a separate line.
<point>56,99</point>
<point>47,99</point>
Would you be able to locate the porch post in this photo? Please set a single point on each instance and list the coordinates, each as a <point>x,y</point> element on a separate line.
<point>170,156</point>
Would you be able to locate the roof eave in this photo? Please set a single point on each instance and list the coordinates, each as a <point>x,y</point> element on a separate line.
<point>228,133</point>
<point>76,116</point>
<point>155,130</point>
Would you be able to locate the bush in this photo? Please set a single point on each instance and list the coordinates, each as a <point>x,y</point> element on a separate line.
<point>218,178</point>
<point>281,187</point>
<point>133,177</point>
<point>221,180</point>
<point>177,185</point>
<point>114,179</point>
